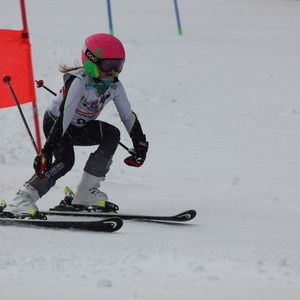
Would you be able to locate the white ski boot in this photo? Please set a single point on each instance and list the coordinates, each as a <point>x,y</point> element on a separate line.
<point>88,194</point>
<point>24,201</point>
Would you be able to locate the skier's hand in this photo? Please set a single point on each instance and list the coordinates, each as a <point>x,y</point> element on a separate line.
<point>43,161</point>
<point>139,156</point>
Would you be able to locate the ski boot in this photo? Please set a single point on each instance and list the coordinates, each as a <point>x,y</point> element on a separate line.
<point>31,214</point>
<point>67,205</point>
<point>23,202</point>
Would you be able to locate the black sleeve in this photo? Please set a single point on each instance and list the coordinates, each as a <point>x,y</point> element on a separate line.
<point>136,132</point>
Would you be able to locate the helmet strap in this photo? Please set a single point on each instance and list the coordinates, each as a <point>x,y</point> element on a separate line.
<point>90,55</point>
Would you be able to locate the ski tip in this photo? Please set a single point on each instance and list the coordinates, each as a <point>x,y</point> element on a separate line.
<point>113,223</point>
<point>186,215</point>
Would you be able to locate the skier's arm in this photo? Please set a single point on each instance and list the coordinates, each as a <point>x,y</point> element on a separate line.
<point>134,128</point>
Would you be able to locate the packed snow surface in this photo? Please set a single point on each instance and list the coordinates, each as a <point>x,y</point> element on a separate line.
<point>220,107</point>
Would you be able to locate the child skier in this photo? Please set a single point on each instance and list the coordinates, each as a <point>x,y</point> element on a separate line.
<point>70,121</point>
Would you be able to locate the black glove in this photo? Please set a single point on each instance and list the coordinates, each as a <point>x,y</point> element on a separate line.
<point>43,161</point>
<point>139,155</point>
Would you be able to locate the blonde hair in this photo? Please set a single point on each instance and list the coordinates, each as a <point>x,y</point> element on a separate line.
<point>65,69</point>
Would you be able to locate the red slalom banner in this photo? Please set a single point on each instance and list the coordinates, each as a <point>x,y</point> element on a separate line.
<point>15,61</point>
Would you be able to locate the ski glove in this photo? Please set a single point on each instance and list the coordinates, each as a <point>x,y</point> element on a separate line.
<point>138,155</point>
<point>43,161</point>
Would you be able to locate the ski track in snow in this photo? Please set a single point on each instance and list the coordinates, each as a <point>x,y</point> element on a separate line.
<point>220,107</point>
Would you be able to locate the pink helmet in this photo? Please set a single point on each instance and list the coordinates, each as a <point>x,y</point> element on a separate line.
<point>97,47</point>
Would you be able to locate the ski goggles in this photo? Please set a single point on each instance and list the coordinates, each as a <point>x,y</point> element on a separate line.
<point>111,64</point>
<point>106,65</point>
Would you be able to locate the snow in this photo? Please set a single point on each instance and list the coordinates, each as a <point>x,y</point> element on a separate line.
<point>220,107</point>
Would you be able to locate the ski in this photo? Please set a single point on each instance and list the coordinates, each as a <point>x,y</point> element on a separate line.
<point>111,224</point>
<point>181,217</point>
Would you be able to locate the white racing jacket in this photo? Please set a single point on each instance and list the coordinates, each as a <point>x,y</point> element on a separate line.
<point>79,102</point>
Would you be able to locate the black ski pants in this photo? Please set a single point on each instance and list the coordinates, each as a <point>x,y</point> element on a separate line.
<point>92,133</point>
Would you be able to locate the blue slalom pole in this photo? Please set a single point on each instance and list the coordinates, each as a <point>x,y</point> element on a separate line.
<point>111,30</point>
<point>177,18</point>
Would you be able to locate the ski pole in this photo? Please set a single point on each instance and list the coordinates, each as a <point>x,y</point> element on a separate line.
<point>7,79</point>
<point>40,83</point>
<point>129,150</point>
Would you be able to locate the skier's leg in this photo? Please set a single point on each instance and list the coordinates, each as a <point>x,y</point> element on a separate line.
<point>97,165</point>
<point>36,187</point>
